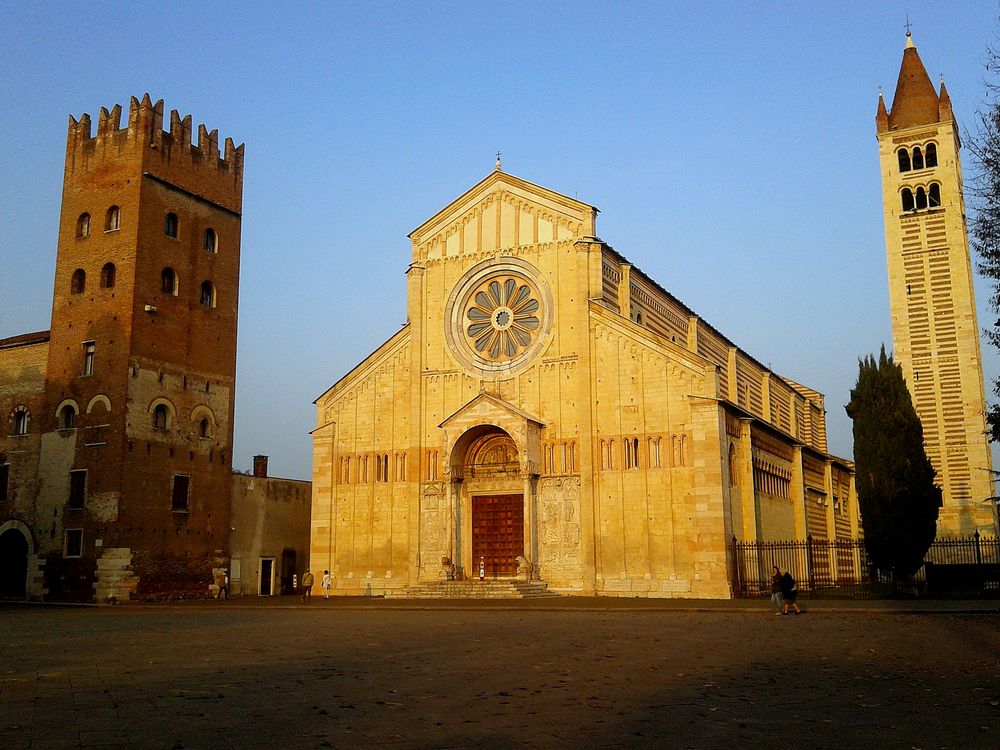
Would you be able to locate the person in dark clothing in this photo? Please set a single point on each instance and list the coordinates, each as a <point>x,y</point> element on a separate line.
<point>776,598</point>
<point>789,592</point>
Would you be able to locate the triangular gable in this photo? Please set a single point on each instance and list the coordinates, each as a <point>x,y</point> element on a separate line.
<point>485,404</point>
<point>502,212</point>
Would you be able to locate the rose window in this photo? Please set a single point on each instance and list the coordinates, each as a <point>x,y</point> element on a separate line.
<point>502,318</point>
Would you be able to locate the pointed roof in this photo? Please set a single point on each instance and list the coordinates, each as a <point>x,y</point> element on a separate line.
<point>915,101</point>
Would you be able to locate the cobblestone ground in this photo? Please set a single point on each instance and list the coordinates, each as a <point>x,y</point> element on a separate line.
<point>206,676</point>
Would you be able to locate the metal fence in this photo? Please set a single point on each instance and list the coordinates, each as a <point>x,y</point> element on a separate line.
<point>841,569</point>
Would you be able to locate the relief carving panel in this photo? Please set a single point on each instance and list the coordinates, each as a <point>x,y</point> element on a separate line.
<point>559,524</point>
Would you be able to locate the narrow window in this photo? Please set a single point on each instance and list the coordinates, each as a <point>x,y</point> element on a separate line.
<point>930,155</point>
<point>918,158</point>
<point>73,543</point>
<point>108,276</point>
<point>170,225</point>
<point>907,195</point>
<point>20,421</point>
<point>89,347</point>
<point>67,417</point>
<point>179,493</point>
<point>378,468</point>
<point>921,198</point>
<point>683,454</point>
<point>160,415</point>
<point>112,220</point>
<point>168,281</point>
<point>79,281</point>
<point>203,429</point>
<point>934,195</point>
<point>733,467</point>
<point>211,241</point>
<point>83,226</point>
<point>77,488</point>
<point>4,477</point>
<point>207,294</point>
<point>904,160</point>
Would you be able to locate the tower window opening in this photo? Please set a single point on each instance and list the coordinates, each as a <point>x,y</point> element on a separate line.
<point>179,493</point>
<point>918,158</point>
<point>67,417</point>
<point>207,294</point>
<point>934,195</point>
<point>108,276</point>
<point>211,243</point>
<point>930,155</point>
<point>907,196</point>
<point>160,417</point>
<point>77,488</point>
<point>79,281</point>
<point>83,226</point>
<point>921,198</point>
<point>20,421</point>
<point>89,348</point>
<point>73,543</point>
<point>170,225</point>
<point>904,160</point>
<point>203,429</point>
<point>112,220</point>
<point>168,281</point>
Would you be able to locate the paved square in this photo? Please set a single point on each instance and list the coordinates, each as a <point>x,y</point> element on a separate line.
<point>233,676</point>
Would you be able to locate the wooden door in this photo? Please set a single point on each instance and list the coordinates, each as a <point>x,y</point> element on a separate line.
<point>497,533</point>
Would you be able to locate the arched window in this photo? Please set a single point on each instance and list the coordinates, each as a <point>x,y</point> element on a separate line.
<point>79,281</point>
<point>918,158</point>
<point>160,417</point>
<point>168,281</point>
<point>20,421</point>
<point>211,243</point>
<point>930,155</point>
<point>207,294</point>
<point>113,219</point>
<point>67,417</point>
<point>934,195</point>
<point>83,226</point>
<point>904,160</point>
<point>203,429</point>
<point>170,225</point>
<point>108,276</point>
<point>907,196</point>
<point>921,198</point>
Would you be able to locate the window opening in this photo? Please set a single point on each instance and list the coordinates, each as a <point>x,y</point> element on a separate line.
<point>207,294</point>
<point>203,429</point>
<point>930,155</point>
<point>108,276</point>
<point>89,347</point>
<point>77,488</point>
<point>170,225</point>
<point>934,195</point>
<point>20,421</point>
<point>921,198</point>
<point>168,281</point>
<point>67,417</point>
<point>918,158</point>
<point>904,160</point>
<point>73,543</point>
<point>179,493</point>
<point>78,282</point>
<point>160,417</point>
<point>83,226</point>
<point>211,241</point>
<point>907,196</point>
<point>112,220</point>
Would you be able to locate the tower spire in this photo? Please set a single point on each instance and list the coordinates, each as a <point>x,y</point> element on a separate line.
<point>915,101</point>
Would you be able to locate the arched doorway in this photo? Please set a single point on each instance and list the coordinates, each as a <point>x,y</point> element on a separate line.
<point>13,564</point>
<point>492,476</point>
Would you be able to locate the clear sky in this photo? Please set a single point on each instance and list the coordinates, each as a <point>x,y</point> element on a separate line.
<point>729,146</point>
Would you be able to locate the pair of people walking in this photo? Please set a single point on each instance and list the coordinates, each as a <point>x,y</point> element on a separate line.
<point>783,591</point>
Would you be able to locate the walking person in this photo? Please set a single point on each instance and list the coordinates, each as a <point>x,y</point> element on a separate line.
<point>776,599</point>
<point>307,585</point>
<point>789,591</point>
<point>327,584</point>
<point>222,581</point>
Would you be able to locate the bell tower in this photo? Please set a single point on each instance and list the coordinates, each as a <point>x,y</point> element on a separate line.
<point>935,335</point>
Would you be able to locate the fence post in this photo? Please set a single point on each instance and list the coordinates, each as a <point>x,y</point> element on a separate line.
<point>809,562</point>
<point>737,588</point>
<point>979,553</point>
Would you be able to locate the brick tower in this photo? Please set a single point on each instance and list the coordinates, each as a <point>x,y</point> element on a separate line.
<point>934,331</point>
<point>135,463</point>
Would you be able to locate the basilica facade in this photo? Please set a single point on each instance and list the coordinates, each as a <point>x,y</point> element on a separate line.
<point>549,411</point>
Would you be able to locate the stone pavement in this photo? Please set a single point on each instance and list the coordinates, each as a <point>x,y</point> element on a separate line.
<point>581,673</point>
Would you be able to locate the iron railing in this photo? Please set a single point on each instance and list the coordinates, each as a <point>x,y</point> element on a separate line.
<point>953,567</point>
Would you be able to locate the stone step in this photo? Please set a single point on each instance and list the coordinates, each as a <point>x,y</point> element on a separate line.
<point>492,589</point>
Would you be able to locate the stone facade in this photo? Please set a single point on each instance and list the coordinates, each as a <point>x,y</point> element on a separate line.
<point>117,437</point>
<point>544,393</point>
<point>935,335</point>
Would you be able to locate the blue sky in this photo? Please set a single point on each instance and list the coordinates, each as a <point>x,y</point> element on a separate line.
<point>730,148</point>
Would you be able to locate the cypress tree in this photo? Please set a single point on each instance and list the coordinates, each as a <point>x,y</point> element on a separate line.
<point>897,497</point>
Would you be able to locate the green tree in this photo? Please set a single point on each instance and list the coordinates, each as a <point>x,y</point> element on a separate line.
<point>897,497</point>
<point>984,145</point>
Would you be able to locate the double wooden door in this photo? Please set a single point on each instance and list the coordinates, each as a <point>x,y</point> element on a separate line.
<point>497,534</point>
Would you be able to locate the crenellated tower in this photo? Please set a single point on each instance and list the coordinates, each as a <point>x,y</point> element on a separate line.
<point>142,359</point>
<point>934,330</point>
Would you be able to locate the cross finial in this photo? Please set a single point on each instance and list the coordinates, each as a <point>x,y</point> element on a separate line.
<point>907,24</point>
<point>498,160</point>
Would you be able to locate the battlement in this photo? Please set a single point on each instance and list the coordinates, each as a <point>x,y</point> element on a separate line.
<point>144,133</point>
